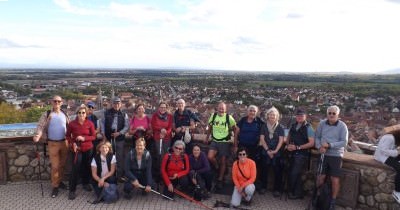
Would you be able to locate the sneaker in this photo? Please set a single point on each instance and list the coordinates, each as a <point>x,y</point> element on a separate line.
<point>62,186</point>
<point>396,196</point>
<point>71,195</point>
<point>54,192</point>
<point>87,187</point>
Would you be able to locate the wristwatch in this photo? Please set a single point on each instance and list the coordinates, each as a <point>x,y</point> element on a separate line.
<point>298,147</point>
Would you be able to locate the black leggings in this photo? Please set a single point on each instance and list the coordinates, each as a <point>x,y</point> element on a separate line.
<point>394,163</point>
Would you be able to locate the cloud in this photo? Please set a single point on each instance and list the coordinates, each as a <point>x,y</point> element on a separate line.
<point>194,45</point>
<point>6,43</point>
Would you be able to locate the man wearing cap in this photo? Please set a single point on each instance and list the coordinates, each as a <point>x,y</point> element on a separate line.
<point>331,137</point>
<point>92,117</point>
<point>299,142</point>
<point>116,125</point>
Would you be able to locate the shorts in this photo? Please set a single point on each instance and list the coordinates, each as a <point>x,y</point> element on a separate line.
<point>332,166</point>
<point>222,148</point>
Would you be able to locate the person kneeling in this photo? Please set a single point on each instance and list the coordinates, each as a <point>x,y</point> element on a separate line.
<point>243,175</point>
<point>175,168</point>
<point>138,169</point>
<point>103,169</point>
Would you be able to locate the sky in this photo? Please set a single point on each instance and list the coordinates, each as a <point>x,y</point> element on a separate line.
<point>360,36</point>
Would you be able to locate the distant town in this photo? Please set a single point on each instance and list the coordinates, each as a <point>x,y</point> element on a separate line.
<point>369,103</point>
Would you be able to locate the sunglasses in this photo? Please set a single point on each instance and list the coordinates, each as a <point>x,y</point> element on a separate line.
<point>242,154</point>
<point>81,112</point>
<point>179,148</point>
<point>57,101</point>
<point>90,107</point>
<point>331,113</point>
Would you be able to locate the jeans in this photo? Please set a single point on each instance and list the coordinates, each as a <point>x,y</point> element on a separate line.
<point>237,197</point>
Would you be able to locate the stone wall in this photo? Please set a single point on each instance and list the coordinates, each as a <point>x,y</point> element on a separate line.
<point>366,184</point>
<point>22,160</point>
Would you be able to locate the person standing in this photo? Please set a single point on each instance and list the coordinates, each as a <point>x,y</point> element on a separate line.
<point>184,121</point>
<point>161,123</point>
<point>271,139</point>
<point>80,135</point>
<point>53,126</point>
<point>299,142</point>
<point>331,138</point>
<point>91,106</point>
<point>140,126</point>
<point>244,174</point>
<point>247,134</point>
<point>116,125</point>
<point>221,126</point>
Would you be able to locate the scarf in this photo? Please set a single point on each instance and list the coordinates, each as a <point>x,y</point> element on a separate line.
<point>163,117</point>
<point>271,129</point>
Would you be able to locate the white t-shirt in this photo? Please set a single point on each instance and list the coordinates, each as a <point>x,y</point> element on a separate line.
<point>104,167</point>
<point>57,126</point>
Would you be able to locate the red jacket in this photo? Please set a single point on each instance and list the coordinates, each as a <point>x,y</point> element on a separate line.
<point>175,166</point>
<point>86,130</point>
<point>157,124</point>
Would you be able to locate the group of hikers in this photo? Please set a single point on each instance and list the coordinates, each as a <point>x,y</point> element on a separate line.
<point>164,154</point>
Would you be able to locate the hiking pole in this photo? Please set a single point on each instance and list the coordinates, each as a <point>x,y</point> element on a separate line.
<point>219,203</point>
<point>40,170</point>
<point>183,195</point>
<point>158,193</point>
<point>114,145</point>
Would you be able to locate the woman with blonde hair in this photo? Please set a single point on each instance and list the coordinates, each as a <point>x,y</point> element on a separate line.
<point>271,139</point>
<point>103,167</point>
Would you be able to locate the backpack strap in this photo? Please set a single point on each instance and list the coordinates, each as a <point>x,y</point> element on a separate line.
<point>241,172</point>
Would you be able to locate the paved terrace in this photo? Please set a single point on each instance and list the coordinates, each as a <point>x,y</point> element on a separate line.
<point>27,195</point>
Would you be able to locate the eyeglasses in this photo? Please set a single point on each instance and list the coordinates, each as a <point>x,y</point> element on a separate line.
<point>81,112</point>
<point>57,101</point>
<point>163,107</point>
<point>179,148</point>
<point>242,154</point>
<point>331,113</point>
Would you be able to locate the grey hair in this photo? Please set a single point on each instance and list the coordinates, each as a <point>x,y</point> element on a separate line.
<point>179,142</point>
<point>181,100</point>
<point>275,110</point>
<point>336,108</point>
<point>252,107</point>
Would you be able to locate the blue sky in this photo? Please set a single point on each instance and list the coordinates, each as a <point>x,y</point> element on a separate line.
<point>256,35</point>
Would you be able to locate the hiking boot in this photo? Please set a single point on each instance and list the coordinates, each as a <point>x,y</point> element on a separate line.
<point>294,197</point>
<point>87,187</point>
<point>71,195</point>
<point>54,192</point>
<point>127,196</point>
<point>62,186</point>
<point>219,185</point>
<point>246,203</point>
<point>332,206</point>
<point>396,196</point>
<point>262,191</point>
<point>276,193</point>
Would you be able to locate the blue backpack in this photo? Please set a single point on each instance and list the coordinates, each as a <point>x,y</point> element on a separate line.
<point>110,193</point>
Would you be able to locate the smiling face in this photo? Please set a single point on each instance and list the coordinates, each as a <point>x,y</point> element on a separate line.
<point>57,102</point>
<point>242,155</point>
<point>180,104</point>
<point>196,151</point>
<point>81,113</point>
<point>104,149</point>
<point>251,113</point>
<point>332,114</point>
<point>140,110</point>
<point>117,105</point>
<point>162,108</point>
<point>140,146</point>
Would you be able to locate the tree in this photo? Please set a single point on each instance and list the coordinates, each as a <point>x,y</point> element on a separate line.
<point>9,114</point>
